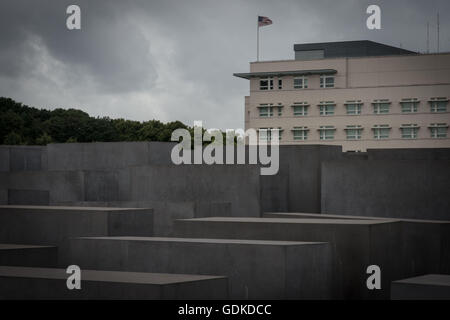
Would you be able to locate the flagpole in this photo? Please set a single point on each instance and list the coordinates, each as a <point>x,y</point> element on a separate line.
<point>257,38</point>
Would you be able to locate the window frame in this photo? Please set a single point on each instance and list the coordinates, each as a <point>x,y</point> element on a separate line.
<point>304,82</point>
<point>358,107</point>
<point>414,102</point>
<point>376,104</point>
<point>323,81</point>
<point>358,132</point>
<point>324,129</point>
<point>303,105</point>
<point>434,130</point>
<point>269,85</point>
<point>323,108</point>
<point>377,131</point>
<point>434,104</point>
<point>304,135</point>
<point>414,129</point>
<point>269,110</point>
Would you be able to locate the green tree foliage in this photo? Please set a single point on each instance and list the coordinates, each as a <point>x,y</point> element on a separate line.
<point>20,124</point>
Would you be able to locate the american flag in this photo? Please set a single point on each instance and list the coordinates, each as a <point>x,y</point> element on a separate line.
<point>263,21</point>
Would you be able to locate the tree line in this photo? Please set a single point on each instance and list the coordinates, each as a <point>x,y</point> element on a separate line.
<point>21,124</point>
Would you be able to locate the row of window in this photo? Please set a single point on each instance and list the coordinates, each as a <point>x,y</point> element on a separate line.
<point>354,132</point>
<point>382,106</point>
<point>326,81</point>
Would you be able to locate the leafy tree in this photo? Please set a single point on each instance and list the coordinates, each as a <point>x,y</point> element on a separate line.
<point>20,124</point>
<point>44,139</point>
<point>13,138</point>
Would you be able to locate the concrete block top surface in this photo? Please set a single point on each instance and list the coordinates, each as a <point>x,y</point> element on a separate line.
<point>204,241</point>
<point>68,208</point>
<point>318,216</point>
<point>346,217</point>
<point>104,276</point>
<point>292,221</point>
<point>9,246</point>
<point>428,279</point>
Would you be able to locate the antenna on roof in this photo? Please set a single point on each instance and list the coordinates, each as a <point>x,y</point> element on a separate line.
<point>438,32</point>
<point>428,37</point>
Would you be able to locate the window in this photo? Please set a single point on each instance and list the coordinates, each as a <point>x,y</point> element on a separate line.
<point>326,108</point>
<point>438,130</point>
<point>266,84</point>
<point>280,110</point>
<point>265,111</point>
<point>354,132</point>
<point>280,84</point>
<point>265,134</point>
<point>381,131</point>
<point>409,131</point>
<point>381,106</point>
<point>326,81</point>
<point>300,133</point>
<point>409,105</point>
<point>300,83</point>
<point>326,132</point>
<point>438,104</point>
<point>353,107</point>
<point>300,108</point>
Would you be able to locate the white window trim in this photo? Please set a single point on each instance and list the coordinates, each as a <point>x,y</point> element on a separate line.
<point>303,130</point>
<point>322,108</point>
<point>269,83</point>
<point>414,132</point>
<point>358,105</point>
<point>376,104</point>
<point>377,132</point>
<point>322,132</point>
<point>323,81</point>
<point>434,133</point>
<point>304,82</point>
<point>358,129</point>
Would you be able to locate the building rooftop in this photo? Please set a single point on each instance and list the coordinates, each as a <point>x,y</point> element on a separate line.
<point>341,49</point>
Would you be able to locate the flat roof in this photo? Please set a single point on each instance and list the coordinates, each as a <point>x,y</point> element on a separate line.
<point>358,48</point>
<point>250,75</point>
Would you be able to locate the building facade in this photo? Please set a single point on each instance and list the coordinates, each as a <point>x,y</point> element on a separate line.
<point>358,94</point>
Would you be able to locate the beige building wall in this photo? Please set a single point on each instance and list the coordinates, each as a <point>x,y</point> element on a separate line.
<point>422,76</point>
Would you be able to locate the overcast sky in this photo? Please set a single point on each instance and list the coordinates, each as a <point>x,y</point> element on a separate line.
<point>174,60</point>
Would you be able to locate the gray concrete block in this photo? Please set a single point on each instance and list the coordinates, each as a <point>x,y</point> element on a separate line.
<point>296,187</point>
<point>426,287</point>
<point>160,152</point>
<point>101,186</point>
<point>4,158</point>
<point>255,269</point>
<point>411,189</point>
<point>237,184</point>
<point>409,154</point>
<point>46,283</point>
<point>28,255</point>
<point>54,225</point>
<point>66,186</point>
<point>28,197</point>
<point>355,245</point>
<point>3,196</point>
<point>164,212</point>
<point>26,158</point>
<point>424,245</point>
<point>107,155</point>
<point>300,215</point>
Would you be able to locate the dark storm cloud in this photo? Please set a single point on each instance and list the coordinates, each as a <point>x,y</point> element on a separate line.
<point>173,60</point>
